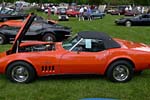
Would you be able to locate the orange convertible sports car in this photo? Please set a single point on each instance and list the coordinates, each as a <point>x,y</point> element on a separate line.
<point>87,53</point>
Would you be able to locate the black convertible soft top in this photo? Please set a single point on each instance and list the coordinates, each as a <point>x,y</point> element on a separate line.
<point>108,41</point>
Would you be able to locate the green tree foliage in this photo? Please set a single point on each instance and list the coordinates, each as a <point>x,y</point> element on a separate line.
<point>96,2</point>
<point>142,2</point>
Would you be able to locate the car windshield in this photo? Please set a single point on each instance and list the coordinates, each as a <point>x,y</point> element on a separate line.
<point>4,11</point>
<point>95,11</point>
<point>70,42</point>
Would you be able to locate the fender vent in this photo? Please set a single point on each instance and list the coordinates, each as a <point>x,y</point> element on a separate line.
<point>48,69</point>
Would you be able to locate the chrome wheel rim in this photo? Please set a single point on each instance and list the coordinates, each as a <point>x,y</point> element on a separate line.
<point>20,73</point>
<point>128,23</point>
<point>49,38</point>
<point>1,40</point>
<point>121,73</point>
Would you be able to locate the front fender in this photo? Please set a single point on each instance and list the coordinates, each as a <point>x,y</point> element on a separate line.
<point>7,60</point>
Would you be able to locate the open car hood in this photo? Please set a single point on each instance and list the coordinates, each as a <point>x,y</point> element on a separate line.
<point>23,30</point>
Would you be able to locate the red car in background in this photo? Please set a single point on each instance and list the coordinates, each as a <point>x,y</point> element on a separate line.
<point>72,13</point>
<point>132,13</point>
<point>119,11</point>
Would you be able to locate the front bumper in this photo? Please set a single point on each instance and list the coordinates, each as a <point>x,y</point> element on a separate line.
<point>118,22</point>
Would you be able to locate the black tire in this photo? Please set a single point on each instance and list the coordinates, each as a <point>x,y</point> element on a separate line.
<point>48,37</point>
<point>2,39</point>
<point>120,71</point>
<point>128,23</point>
<point>20,72</point>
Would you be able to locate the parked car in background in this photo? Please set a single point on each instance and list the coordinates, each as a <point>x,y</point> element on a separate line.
<point>13,15</point>
<point>110,9</point>
<point>131,13</point>
<point>22,3</point>
<point>119,11</point>
<point>63,18</point>
<point>6,11</point>
<point>62,14</point>
<point>72,13</point>
<point>61,10</point>
<point>38,31</point>
<point>95,14</point>
<point>143,19</point>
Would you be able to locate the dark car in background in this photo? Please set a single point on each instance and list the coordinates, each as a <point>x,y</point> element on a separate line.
<point>142,20</point>
<point>6,10</point>
<point>95,14</point>
<point>11,15</point>
<point>37,31</point>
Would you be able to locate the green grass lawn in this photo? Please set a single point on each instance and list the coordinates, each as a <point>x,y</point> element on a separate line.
<point>75,88</point>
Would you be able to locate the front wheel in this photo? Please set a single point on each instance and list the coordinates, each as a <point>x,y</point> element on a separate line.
<point>120,71</point>
<point>20,72</point>
<point>2,39</point>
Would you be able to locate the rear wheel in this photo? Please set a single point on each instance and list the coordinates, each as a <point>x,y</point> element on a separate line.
<point>20,72</point>
<point>120,71</point>
<point>2,39</point>
<point>49,37</point>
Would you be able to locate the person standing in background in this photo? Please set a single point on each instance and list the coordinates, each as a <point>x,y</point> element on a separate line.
<point>49,12</point>
<point>89,12</point>
<point>81,14</point>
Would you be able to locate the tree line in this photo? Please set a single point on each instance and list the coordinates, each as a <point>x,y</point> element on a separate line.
<point>95,2</point>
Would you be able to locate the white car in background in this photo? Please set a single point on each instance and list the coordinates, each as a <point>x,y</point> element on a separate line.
<point>23,3</point>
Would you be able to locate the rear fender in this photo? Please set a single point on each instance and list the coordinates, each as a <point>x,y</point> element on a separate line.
<point>119,58</point>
